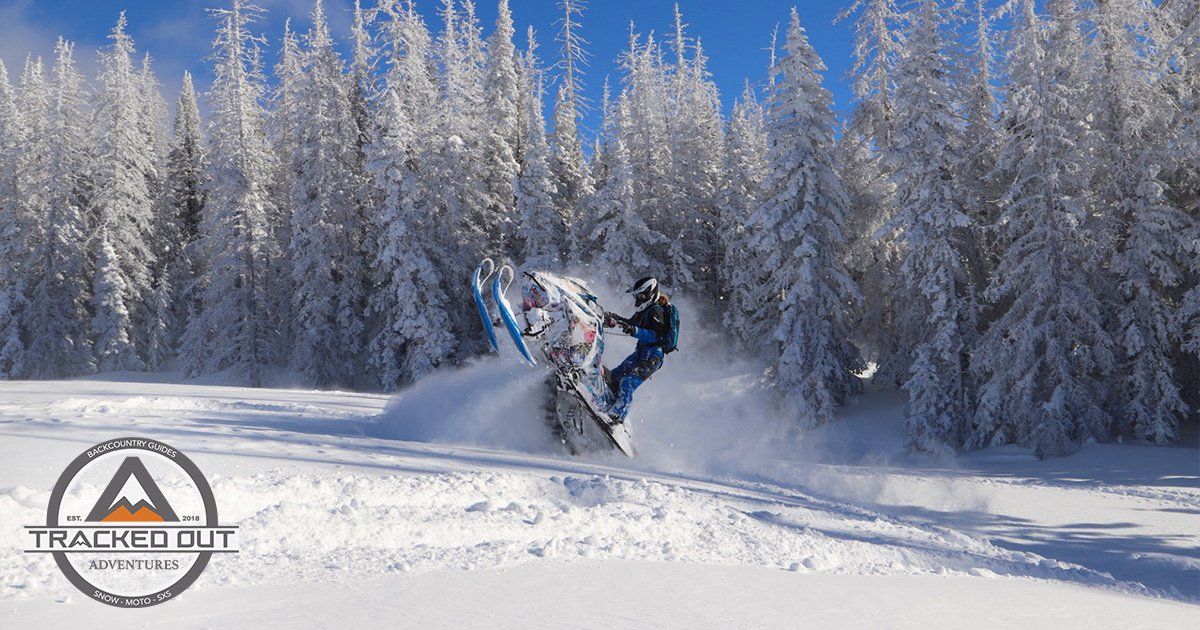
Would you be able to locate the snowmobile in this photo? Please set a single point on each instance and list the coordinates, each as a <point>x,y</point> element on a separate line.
<point>566,320</point>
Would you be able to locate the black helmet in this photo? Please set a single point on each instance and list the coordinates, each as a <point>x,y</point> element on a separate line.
<point>645,292</point>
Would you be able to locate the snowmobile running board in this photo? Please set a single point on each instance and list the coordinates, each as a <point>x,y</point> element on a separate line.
<point>617,433</point>
<point>477,289</point>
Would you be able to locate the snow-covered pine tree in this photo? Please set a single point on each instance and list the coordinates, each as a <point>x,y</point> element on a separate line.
<point>799,240</point>
<point>160,329</point>
<point>110,324</point>
<point>624,244</point>
<point>936,319</point>
<point>1182,22</point>
<point>363,90</point>
<point>415,336</point>
<point>326,234</point>
<point>156,332</point>
<point>878,45</point>
<point>980,148</point>
<point>696,137</point>
<point>57,320</point>
<point>31,160</point>
<point>1129,115</point>
<point>740,272</point>
<point>645,106</point>
<point>285,120</point>
<point>124,206</point>
<point>12,237</point>
<point>1040,364</point>
<point>362,75</point>
<point>572,180</point>
<point>235,328</point>
<point>542,228</point>
<point>500,134</point>
<point>414,333</point>
<point>455,175</point>
<point>1187,148</point>
<point>185,202</point>
<point>283,123</point>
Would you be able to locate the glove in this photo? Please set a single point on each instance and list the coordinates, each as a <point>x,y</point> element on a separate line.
<point>613,321</point>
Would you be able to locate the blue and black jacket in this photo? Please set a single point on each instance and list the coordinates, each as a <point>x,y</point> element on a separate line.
<point>651,326</point>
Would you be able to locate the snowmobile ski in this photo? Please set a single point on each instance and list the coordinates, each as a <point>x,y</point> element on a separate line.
<point>477,289</point>
<point>506,312</point>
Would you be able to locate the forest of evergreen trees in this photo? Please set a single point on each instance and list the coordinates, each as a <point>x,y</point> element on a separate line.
<point>1006,226</point>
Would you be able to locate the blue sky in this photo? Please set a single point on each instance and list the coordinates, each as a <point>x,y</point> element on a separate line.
<point>177,33</point>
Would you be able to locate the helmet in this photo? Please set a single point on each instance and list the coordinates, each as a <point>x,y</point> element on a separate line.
<point>645,292</point>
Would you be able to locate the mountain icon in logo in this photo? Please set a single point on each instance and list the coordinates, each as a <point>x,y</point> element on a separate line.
<point>132,497</point>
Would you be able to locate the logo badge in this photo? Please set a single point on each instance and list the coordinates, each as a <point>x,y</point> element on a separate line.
<point>132,523</point>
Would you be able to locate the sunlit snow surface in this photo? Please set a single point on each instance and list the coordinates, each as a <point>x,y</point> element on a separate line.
<point>449,506</point>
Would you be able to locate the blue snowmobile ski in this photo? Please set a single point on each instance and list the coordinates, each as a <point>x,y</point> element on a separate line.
<point>506,312</point>
<point>477,289</point>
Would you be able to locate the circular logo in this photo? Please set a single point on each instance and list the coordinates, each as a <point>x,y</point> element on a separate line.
<point>132,522</point>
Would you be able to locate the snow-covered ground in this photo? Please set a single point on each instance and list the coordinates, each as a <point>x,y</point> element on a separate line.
<point>447,506</point>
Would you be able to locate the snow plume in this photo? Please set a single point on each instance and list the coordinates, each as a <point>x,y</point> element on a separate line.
<point>705,411</point>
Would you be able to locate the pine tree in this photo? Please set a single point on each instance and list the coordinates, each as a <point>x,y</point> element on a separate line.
<point>878,46</point>
<point>980,150</point>
<point>57,319</point>
<point>124,207</point>
<point>1182,23</point>
<point>936,319</point>
<point>646,105</point>
<point>1041,363</point>
<point>13,226</point>
<point>363,90</point>
<point>1129,118</point>
<point>798,237</point>
<point>696,143</point>
<point>110,324</point>
<point>543,227</point>
<point>186,163</point>
<point>741,274</point>
<point>500,136</point>
<point>414,334</point>
<point>326,235</point>
<point>31,162</point>
<point>623,241</point>
<point>157,329</point>
<point>362,76</point>
<point>235,329</point>
<point>455,174</point>
<point>573,182</point>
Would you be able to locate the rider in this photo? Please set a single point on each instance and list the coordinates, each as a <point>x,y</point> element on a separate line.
<point>652,326</point>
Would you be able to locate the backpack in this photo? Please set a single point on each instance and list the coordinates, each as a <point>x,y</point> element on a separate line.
<point>671,342</point>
